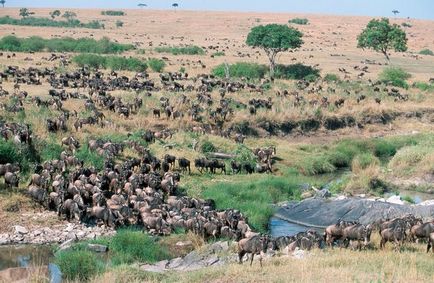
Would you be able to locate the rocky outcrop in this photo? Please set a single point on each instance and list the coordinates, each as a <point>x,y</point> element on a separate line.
<point>53,234</point>
<point>319,212</point>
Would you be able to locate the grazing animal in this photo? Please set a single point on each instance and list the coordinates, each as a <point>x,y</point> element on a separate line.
<point>254,245</point>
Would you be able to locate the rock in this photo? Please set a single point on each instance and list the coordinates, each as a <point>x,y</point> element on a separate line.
<point>306,195</point>
<point>427,202</point>
<point>80,234</point>
<point>20,229</point>
<point>66,245</point>
<point>395,199</point>
<point>324,193</point>
<point>97,248</point>
<point>91,236</point>
<point>212,261</point>
<point>184,244</point>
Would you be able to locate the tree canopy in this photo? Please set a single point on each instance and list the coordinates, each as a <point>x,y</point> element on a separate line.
<point>381,36</point>
<point>55,13</point>
<point>274,38</point>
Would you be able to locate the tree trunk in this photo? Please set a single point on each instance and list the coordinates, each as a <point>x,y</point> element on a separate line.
<point>272,57</point>
<point>387,55</point>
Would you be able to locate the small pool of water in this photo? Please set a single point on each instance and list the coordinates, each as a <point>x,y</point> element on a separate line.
<point>30,255</point>
<point>279,227</point>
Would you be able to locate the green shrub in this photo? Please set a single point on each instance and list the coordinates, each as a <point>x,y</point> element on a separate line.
<point>241,70</point>
<point>46,22</point>
<point>317,164</point>
<point>426,52</point>
<point>50,151</point>
<point>78,265</point>
<point>207,147</point>
<point>331,78</point>
<point>218,54</point>
<point>395,76</point>
<point>130,246</point>
<point>157,65</point>
<point>296,72</point>
<point>65,44</point>
<point>112,13</point>
<point>244,155</point>
<point>424,86</point>
<point>299,21</point>
<point>22,154</point>
<point>119,24</point>
<point>185,50</point>
<point>408,199</point>
<point>406,25</point>
<point>8,152</point>
<point>116,63</point>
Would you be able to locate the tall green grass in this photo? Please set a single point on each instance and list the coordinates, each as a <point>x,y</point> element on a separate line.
<point>255,198</point>
<point>90,158</point>
<point>183,50</point>
<point>395,76</point>
<point>78,265</point>
<point>241,70</point>
<point>110,62</point>
<point>157,65</point>
<point>46,22</point>
<point>65,44</point>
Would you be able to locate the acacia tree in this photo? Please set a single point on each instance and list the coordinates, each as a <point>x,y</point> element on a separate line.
<point>69,15</point>
<point>381,36</point>
<point>54,14</point>
<point>141,5</point>
<point>395,12</point>
<point>24,12</point>
<point>274,38</point>
<point>3,2</point>
<point>175,5</point>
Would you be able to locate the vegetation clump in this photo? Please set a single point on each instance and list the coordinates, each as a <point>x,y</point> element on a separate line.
<point>157,65</point>
<point>116,63</point>
<point>185,50</point>
<point>47,22</point>
<point>395,76</point>
<point>299,21</point>
<point>64,44</point>
<point>78,265</point>
<point>426,51</point>
<point>241,70</point>
<point>112,13</point>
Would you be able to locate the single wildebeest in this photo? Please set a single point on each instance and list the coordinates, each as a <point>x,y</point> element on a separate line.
<point>420,231</point>
<point>357,232</point>
<point>254,245</point>
<point>236,167</point>
<point>184,164</point>
<point>11,180</point>
<point>396,235</point>
<point>170,159</point>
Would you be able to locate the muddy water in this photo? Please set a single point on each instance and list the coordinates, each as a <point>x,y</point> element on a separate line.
<point>27,256</point>
<point>279,227</point>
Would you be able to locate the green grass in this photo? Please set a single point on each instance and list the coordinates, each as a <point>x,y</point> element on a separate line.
<point>299,21</point>
<point>218,54</point>
<point>395,76</point>
<point>22,154</point>
<point>426,52</point>
<point>331,78</point>
<point>129,246</point>
<point>157,65</point>
<point>90,158</point>
<point>424,86</point>
<point>46,22</point>
<point>241,70</point>
<point>182,50</point>
<point>113,13</point>
<point>78,265</point>
<point>254,197</point>
<point>116,63</point>
<point>65,44</point>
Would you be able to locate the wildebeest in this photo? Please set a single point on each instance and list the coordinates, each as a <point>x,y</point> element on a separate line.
<point>254,245</point>
<point>357,232</point>
<point>421,231</point>
<point>184,164</point>
<point>430,242</point>
<point>395,235</point>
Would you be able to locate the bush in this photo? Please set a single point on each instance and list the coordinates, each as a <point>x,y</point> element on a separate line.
<point>424,86</point>
<point>363,161</point>
<point>116,63</point>
<point>112,13</point>
<point>130,246</point>
<point>186,50</point>
<point>331,78</point>
<point>157,65</point>
<point>22,154</point>
<point>65,44</point>
<point>299,21</point>
<point>296,72</point>
<point>406,25</point>
<point>218,54</point>
<point>50,151</point>
<point>119,24</point>
<point>241,70</point>
<point>395,76</point>
<point>207,147</point>
<point>46,22</point>
<point>78,265</point>
<point>245,155</point>
<point>426,52</point>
